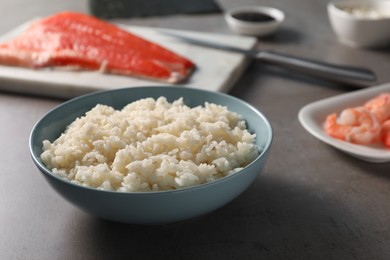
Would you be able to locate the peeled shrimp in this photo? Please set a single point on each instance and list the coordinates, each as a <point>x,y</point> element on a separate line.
<point>366,124</point>
<point>385,133</point>
<point>380,106</point>
<point>355,125</point>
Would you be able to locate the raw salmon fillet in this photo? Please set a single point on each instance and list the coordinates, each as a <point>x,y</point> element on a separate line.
<point>84,42</point>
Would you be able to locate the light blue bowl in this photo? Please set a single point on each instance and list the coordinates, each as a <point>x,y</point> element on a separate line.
<point>158,207</point>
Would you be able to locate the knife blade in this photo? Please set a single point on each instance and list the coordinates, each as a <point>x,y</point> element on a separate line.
<point>358,77</point>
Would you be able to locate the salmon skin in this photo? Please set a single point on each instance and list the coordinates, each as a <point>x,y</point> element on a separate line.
<point>81,41</point>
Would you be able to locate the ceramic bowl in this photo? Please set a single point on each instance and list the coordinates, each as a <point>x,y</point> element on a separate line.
<point>359,23</point>
<point>157,207</point>
<point>254,20</point>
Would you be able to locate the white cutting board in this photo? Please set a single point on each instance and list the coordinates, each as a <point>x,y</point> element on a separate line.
<point>216,70</point>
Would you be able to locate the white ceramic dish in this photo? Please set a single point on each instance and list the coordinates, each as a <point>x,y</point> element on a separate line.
<point>252,27</point>
<point>367,26</point>
<point>312,117</point>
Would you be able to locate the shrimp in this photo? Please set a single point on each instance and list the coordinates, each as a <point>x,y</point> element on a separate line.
<point>385,133</point>
<point>356,125</point>
<point>380,106</point>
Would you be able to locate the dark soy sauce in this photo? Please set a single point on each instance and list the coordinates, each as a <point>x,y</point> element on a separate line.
<point>253,17</point>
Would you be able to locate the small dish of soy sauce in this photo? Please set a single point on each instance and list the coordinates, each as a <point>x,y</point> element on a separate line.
<point>254,20</point>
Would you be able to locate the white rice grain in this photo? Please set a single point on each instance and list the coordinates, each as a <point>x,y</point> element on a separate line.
<point>151,145</point>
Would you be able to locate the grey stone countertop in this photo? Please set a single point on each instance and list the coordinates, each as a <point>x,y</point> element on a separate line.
<point>311,201</point>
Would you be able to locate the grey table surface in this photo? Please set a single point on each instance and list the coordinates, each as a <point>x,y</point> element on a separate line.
<point>310,202</point>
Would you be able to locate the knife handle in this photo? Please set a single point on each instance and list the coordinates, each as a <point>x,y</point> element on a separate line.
<point>359,77</point>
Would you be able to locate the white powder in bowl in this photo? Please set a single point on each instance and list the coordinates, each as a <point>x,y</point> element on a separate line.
<point>151,145</point>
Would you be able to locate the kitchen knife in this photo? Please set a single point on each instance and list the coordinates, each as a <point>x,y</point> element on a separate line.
<point>350,75</point>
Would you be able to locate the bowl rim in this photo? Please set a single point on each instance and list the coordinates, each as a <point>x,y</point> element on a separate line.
<point>334,9</point>
<point>45,171</point>
<point>277,14</point>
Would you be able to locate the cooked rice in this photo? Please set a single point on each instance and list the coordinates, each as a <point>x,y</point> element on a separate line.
<point>151,145</point>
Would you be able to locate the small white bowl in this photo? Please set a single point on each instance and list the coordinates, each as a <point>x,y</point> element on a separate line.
<point>263,21</point>
<point>360,23</point>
